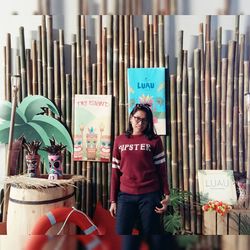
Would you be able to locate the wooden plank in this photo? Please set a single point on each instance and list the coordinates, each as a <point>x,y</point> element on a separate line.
<point>209,223</point>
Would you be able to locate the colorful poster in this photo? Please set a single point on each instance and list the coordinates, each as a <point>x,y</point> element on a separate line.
<point>147,85</point>
<point>92,129</point>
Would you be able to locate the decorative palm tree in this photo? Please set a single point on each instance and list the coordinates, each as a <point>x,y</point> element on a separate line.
<point>32,122</point>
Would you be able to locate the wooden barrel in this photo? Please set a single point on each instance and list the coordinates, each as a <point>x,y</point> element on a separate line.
<point>26,205</point>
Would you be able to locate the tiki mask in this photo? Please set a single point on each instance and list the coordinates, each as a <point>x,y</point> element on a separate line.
<point>91,144</point>
<point>105,148</point>
<point>78,147</point>
<point>55,167</point>
<point>33,162</point>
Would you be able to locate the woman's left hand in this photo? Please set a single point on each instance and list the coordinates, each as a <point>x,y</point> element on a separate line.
<point>164,204</point>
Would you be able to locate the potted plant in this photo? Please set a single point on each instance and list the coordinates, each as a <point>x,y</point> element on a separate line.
<point>55,159</point>
<point>32,158</point>
<point>32,121</point>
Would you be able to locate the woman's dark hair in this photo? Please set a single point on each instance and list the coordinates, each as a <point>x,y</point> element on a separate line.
<point>149,132</point>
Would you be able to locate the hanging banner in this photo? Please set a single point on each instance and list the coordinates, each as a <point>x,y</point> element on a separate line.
<point>147,85</point>
<point>92,129</point>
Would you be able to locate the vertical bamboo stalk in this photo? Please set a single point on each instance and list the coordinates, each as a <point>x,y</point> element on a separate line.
<point>197,127</point>
<point>50,58</point>
<point>141,54</point>
<point>174,140</point>
<point>62,75</point>
<point>34,67</point>
<point>23,63</point>
<point>126,65</point>
<point>146,40</point>
<point>207,110</point>
<point>218,100</point>
<point>248,152</point>
<point>68,114</point>
<point>83,53</point>
<point>229,105</point>
<point>224,71</point>
<point>151,46</point>
<point>121,76</point>
<point>39,61</point>
<point>89,188</point>
<point>99,55</point>
<point>213,105</point>
<point>136,47</point>
<point>56,67</point>
<point>131,42</point>
<point>161,41</point>
<point>191,148</point>
<point>109,58</point>
<point>28,72</point>
<point>179,107</point>
<point>104,61</point>
<point>78,57</point>
<point>155,41</point>
<point>246,90</point>
<point>44,57</point>
<point>202,79</point>
<point>241,104</point>
<point>184,133</point>
<point>18,72</point>
<point>8,68</point>
<point>88,67</point>
<point>116,73</point>
<point>235,98</point>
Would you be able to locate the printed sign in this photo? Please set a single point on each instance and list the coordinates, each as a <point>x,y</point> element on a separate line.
<point>217,185</point>
<point>92,129</point>
<point>147,85</point>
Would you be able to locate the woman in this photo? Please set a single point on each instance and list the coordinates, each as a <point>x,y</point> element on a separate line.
<point>139,187</point>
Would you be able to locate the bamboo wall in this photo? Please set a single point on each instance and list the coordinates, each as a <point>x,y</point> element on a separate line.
<point>206,109</point>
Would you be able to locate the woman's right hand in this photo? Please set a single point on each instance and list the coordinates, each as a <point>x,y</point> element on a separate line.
<point>112,209</point>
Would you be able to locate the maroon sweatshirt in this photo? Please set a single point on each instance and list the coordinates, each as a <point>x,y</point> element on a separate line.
<point>138,166</point>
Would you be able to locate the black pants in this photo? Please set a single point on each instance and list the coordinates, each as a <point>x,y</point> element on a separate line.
<point>130,208</point>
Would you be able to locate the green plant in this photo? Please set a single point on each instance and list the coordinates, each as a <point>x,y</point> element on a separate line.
<point>32,122</point>
<point>172,219</point>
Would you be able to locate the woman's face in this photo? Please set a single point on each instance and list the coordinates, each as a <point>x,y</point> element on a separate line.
<point>139,122</point>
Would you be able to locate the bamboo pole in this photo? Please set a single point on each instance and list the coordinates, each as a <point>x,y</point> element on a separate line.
<point>161,41</point>
<point>62,75</point>
<point>78,56</point>
<point>56,73</point>
<point>88,66</point>
<point>246,90</point>
<point>174,139</point>
<point>224,70</point>
<point>179,107</point>
<point>248,152</point>
<point>213,105</point>
<point>18,72</point>
<point>50,69</point>
<point>241,104</point>
<point>126,66</point>
<point>235,98</point>
<point>191,149</point>
<point>115,73</point>
<point>83,53</point>
<point>121,76</point>
<point>141,54</point>
<point>39,60</point>
<point>136,47</point>
<point>131,42</point>
<point>104,61</point>
<point>151,46</point>
<point>202,79</point>
<point>44,57</point>
<point>155,41</point>
<point>146,40</point>
<point>34,67</point>
<point>99,55</point>
<point>218,100</point>
<point>197,129</point>
<point>207,110</point>
<point>8,68</point>
<point>109,58</point>
<point>229,105</point>
<point>28,72</point>
<point>184,133</point>
<point>23,63</point>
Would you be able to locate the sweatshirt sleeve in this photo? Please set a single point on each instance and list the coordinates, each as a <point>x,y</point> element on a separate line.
<point>116,173</point>
<point>160,163</point>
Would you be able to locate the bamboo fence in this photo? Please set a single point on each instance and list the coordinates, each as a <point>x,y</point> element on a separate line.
<point>207,125</point>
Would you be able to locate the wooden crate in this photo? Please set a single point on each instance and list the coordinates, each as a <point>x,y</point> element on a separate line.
<point>230,224</point>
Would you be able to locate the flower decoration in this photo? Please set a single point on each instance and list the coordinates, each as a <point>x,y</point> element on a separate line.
<point>218,206</point>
